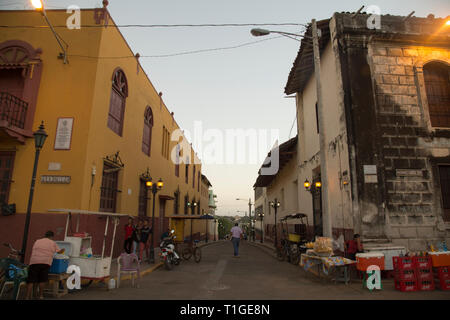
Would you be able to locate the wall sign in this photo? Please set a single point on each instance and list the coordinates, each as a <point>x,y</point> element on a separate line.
<point>63,136</point>
<point>408,173</point>
<point>56,179</point>
<point>370,174</point>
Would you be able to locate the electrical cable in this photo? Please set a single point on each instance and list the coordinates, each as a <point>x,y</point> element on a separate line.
<point>179,53</point>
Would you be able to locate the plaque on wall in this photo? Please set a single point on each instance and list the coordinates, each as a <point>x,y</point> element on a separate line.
<point>63,137</point>
<point>55,179</point>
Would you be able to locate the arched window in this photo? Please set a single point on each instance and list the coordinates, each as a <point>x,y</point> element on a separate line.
<point>147,135</point>
<point>437,84</point>
<point>119,93</point>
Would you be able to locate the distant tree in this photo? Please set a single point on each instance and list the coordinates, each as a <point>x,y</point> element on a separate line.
<point>224,227</point>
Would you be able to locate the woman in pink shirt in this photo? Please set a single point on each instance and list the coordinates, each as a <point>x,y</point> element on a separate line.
<point>40,262</point>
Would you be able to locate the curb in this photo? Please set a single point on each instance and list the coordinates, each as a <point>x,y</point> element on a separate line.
<point>142,273</point>
<point>269,250</point>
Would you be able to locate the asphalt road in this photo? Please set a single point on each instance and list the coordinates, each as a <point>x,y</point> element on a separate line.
<point>254,276</point>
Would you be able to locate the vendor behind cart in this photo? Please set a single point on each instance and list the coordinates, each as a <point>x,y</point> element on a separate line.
<point>353,247</point>
<point>40,262</point>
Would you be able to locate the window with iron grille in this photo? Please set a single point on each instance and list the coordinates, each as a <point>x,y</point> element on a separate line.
<point>147,135</point>
<point>176,202</point>
<point>6,169</point>
<point>177,164</point>
<point>143,199</point>
<point>444,179</point>
<point>198,182</point>
<point>108,194</point>
<point>193,176</point>
<point>437,84</point>
<point>198,207</point>
<point>119,93</point>
<point>187,170</point>
<point>186,201</point>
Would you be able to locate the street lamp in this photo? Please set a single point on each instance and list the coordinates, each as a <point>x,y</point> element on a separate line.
<point>39,6</point>
<point>249,212</point>
<point>275,204</point>
<point>257,32</point>
<point>261,216</point>
<point>39,139</point>
<point>155,187</point>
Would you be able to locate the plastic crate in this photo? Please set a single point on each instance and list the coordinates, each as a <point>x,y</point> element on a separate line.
<point>403,263</point>
<point>406,285</point>
<point>425,285</point>
<point>424,274</point>
<point>422,262</point>
<point>440,259</point>
<point>407,274</point>
<point>443,284</point>
<point>442,272</point>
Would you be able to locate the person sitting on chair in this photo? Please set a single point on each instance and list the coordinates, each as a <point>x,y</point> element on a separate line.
<point>353,247</point>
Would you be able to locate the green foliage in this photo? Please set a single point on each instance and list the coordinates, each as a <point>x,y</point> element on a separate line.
<point>224,226</point>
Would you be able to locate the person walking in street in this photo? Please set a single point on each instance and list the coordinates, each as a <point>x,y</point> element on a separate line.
<point>236,235</point>
<point>40,263</point>
<point>143,243</point>
<point>128,236</point>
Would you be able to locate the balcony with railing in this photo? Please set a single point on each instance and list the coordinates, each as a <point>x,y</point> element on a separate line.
<point>13,110</point>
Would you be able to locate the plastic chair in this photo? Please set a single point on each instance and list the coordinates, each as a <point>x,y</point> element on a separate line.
<point>128,264</point>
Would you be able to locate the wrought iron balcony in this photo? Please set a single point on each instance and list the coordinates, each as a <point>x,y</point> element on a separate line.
<point>13,110</point>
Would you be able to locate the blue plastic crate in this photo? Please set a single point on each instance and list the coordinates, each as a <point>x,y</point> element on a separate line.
<point>59,266</point>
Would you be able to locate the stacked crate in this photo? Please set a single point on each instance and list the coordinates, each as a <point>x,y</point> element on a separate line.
<point>424,273</point>
<point>405,274</point>
<point>442,277</point>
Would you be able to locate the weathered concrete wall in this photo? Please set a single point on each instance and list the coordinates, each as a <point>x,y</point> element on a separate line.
<point>411,148</point>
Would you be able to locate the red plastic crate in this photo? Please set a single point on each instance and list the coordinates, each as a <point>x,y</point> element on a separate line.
<point>443,284</point>
<point>403,263</point>
<point>408,274</point>
<point>425,285</point>
<point>422,262</point>
<point>424,274</point>
<point>442,272</point>
<point>406,285</point>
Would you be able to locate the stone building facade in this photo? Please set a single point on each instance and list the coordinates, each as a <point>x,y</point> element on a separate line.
<point>386,100</point>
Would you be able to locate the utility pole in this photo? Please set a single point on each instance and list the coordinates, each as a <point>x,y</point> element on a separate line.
<point>326,216</point>
<point>250,215</point>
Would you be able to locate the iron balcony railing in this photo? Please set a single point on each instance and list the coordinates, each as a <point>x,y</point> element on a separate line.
<point>13,110</point>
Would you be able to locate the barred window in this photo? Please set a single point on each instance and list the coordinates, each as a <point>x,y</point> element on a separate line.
<point>437,84</point>
<point>147,135</point>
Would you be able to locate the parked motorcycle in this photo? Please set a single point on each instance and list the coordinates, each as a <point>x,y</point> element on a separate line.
<point>168,253</point>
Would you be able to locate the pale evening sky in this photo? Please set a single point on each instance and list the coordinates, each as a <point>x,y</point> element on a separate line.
<point>241,88</point>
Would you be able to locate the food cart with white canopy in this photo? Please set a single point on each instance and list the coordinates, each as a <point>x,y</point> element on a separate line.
<point>93,267</point>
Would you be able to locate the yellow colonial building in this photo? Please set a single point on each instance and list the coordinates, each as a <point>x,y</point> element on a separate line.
<point>108,129</point>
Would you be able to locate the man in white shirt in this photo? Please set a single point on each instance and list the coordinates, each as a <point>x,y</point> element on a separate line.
<point>236,234</point>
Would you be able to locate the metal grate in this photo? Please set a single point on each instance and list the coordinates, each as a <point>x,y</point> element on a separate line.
<point>13,110</point>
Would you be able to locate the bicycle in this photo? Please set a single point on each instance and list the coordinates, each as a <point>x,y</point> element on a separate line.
<point>12,271</point>
<point>192,250</point>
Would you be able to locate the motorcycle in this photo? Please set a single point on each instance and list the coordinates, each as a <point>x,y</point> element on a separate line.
<point>168,253</point>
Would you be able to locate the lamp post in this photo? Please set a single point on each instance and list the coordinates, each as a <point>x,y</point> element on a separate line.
<point>39,139</point>
<point>312,189</point>
<point>155,187</point>
<point>261,216</point>
<point>206,226</point>
<point>249,213</point>
<point>275,204</point>
<point>191,205</point>
<point>39,6</point>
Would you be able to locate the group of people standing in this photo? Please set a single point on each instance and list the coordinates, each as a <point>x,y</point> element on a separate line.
<point>137,237</point>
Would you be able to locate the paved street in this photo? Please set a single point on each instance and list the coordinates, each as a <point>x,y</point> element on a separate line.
<point>254,276</point>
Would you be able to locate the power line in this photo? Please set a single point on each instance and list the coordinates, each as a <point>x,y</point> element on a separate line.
<point>179,53</point>
<point>168,25</point>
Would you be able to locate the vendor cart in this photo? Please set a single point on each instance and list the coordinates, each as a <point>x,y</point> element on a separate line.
<point>294,242</point>
<point>92,266</point>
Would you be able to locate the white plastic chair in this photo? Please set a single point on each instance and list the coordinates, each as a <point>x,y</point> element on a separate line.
<point>128,264</point>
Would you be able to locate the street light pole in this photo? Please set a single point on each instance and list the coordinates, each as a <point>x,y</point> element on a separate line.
<point>39,139</point>
<point>155,188</point>
<point>275,204</point>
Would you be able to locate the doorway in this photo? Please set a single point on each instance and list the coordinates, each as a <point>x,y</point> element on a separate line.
<point>317,208</point>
